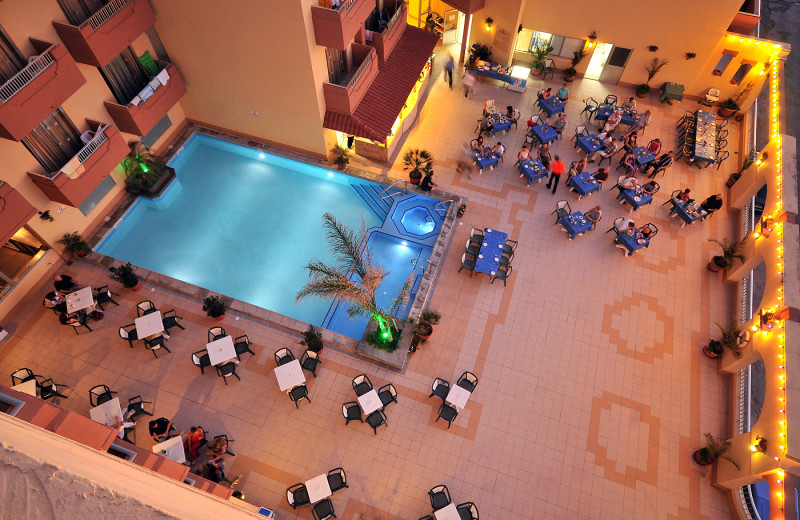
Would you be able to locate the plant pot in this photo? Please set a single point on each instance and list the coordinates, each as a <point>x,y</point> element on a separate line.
<point>725,112</point>
<point>136,288</point>
<point>641,94</point>
<point>81,254</point>
<point>569,79</point>
<point>702,458</point>
<point>460,214</point>
<point>341,167</point>
<point>713,350</point>
<point>220,317</point>
<point>732,180</point>
<point>425,333</point>
<point>414,180</point>
<point>537,72</point>
<point>717,264</point>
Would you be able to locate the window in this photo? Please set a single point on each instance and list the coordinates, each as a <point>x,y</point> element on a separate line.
<point>17,257</point>
<point>10,405</point>
<point>563,46</point>
<point>723,62</point>
<point>124,76</point>
<point>77,11</point>
<point>54,142</point>
<point>741,72</point>
<point>11,60</point>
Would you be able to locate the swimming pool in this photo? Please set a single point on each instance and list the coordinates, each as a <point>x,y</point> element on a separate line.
<point>245,223</point>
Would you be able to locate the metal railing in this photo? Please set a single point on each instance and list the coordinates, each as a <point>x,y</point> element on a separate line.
<point>26,75</point>
<point>395,17</point>
<point>392,185</point>
<point>98,139</point>
<point>359,71</point>
<point>346,5</point>
<point>442,203</point>
<point>105,14</point>
<point>415,260</point>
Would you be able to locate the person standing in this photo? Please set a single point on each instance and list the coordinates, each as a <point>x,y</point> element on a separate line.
<point>468,81</point>
<point>556,169</point>
<point>448,70</point>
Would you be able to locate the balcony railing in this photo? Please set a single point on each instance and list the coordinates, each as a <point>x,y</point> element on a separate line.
<point>355,77</point>
<point>26,75</point>
<point>395,17</point>
<point>336,28</point>
<point>98,139</point>
<point>105,14</point>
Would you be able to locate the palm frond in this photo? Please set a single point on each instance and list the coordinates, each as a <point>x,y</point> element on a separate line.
<point>345,244</point>
<point>330,289</point>
<point>402,296</point>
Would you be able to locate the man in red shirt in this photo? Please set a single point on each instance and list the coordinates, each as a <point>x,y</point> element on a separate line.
<point>556,169</point>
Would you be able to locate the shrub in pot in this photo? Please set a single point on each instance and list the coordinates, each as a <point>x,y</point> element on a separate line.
<point>714,349</point>
<point>124,274</point>
<point>652,69</point>
<point>417,162</point>
<point>422,327</point>
<point>312,339</point>
<point>540,52</point>
<point>730,252</point>
<point>75,244</point>
<point>214,307</point>
<point>340,156</point>
<point>142,167</point>
<point>712,451</point>
<point>571,72</point>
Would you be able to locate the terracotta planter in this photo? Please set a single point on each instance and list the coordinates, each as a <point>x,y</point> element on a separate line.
<point>427,334</point>
<point>537,72</point>
<point>569,79</point>
<point>413,180</point>
<point>81,254</point>
<point>732,180</point>
<point>220,317</point>
<point>725,112</point>
<point>641,95</point>
<point>136,288</point>
<point>717,264</point>
<point>710,353</point>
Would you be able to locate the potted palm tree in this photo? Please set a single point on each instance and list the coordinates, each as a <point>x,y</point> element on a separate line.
<point>732,338</point>
<point>730,252</point>
<point>417,162</point>
<point>748,161</point>
<point>125,275</point>
<point>540,54</point>
<point>355,279</point>
<point>75,244</point>
<point>145,172</point>
<point>713,451</point>
<point>340,156</point>
<point>312,339</point>
<point>652,69</point>
<point>422,328</point>
<point>214,307</point>
<point>571,72</point>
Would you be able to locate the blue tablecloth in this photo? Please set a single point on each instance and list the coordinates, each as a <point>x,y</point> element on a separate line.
<point>705,137</point>
<point>589,143</point>
<point>690,214</point>
<point>533,170</point>
<point>575,224</point>
<point>482,161</point>
<point>506,77</point>
<point>642,156</point>
<point>629,117</point>
<point>499,123</point>
<point>584,184</point>
<point>631,196</point>
<point>491,249</point>
<point>631,243</point>
<point>544,133</point>
<point>551,106</point>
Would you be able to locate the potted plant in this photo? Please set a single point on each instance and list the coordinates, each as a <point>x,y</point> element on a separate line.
<point>312,339</point>
<point>748,161</point>
<point>461,210</point>
<point>145,172</point>
<point>652,69</point>
<point>733,338</point>
<point>422,328</point>
<point>124,274</point>
<point>712,451</point>
<point>418,162</point>
<point>75,244</point>
<point>730,252</point>
<point>540,52</point>
<point>214,307</point>
<point>45,215</point>
<point>340,156</point>
<point>714,349</point>
<point>571,72</point>
<point>731,105</point>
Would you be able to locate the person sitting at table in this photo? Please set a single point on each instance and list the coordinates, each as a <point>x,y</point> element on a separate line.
<point>660,164</point>
<point>712,204</point>
<point>654,146</point>
<point>523,155</point>
<point>122,426</point>
<point>629,104</point>
<point>560,124</point>
<point>629,161</point>
<point>609,149</point>
<point>545,156</point>
<point>510,113</point>
<point>630,142</point>
<point>575,168</point>
<point>546,94</point>
<point>193,441</point>
<point>477,144</point>
<point>54,300</point>
<point>650,187</point>
<point>601,175</point>
<point>594,215</point>
<point>487,126</point>
<point>629,183</point>
<point>162,429</point>
<point>625,225</point>
<point>563,93</point>
<point>641,122</point>
<point>65,283</point>
<point>646,231</point>
<point>684,196</point>
<point>217,447</point>
<point>214,471</point>
<point>613,120</point>
<point>73,317</point>
<point>427,183</point>
<point>499,149</point>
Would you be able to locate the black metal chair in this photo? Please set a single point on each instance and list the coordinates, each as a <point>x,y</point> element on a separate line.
<point>283,356</point>
<point>351,411</point>
<point>323,510</point>
<point>502,274</point>
<point>297,496</point>
<point>104,295</point>
<point>242,345</point>
<point>440,388</point>
<point>467,511</point>
<point>448,413</point>
<point>472,248</point>
<point>440,497</point>
<point>100,394</point>
<point>156,343</point>
<point>128,333</point>
<point>468,263</point>
<point>201,359</point>
<point>468,381</point>
<point>376,419</point>
<point>611,99</point>
<point>361,384</point>
<point>136,407</point>
<point>562,210</point>
<point>145,307</point>
<point>510,246</point>
<point>309,361</point>
<point>387,394</point>
<point>21,375</point>
<point>590,106</point>
<point>337,479</point>
<point>170,320</point>
<point>81,322</point>
<point>298,393</point>
<point>614,228</point>
<point>227,370</point>
<point>215,333</point>
<point>47,388</point>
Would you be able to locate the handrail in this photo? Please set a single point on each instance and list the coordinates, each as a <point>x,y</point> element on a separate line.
<point>414,262</point>
<point>395,16</point>
<point>442,202</point>
<point>105,14</point>
<point>90,147</point>
<point>346,5</point>
<point>26,75</point>
<point>360,70</point>
<point>405,189</point>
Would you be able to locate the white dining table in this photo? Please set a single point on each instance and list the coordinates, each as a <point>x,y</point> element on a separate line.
<point>149,324</point>
<point>458,397</point>
<point>28,387</point>
<point>79,300</point>
<point>172,448</point>
<point>370,402</point>
<point>290,375</point>
<point>449,512</point>
<point>107,413</point>
<point>221,350</point>
<point>318,488</point>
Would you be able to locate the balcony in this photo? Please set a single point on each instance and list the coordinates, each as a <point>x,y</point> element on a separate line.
<point>15,211</point>
<point>467,6</point>
<point>385,40</point>
<point>152,103</point>
<point>347,91</point>
<point>107,32</point>
<point>103,151</point>
<point>49,79</point>
<point>336,28</point>
<point>745,21</point>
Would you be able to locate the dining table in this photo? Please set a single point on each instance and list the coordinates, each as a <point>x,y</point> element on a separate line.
<point>79,300</point>
<point>499,123</point>
<point>688,212</point>
<point>636,198</point>
<point>485,159</point>
<point>107,413</point>
<point>289,375</point>
<point>221,350</point>
<point>584,184</point>
<point>458,397</point>
<point>589,143</point>
<point>370,402</point>
<point>642,155</point>
<point>149,325</point>
<point>448,512</point>
<point>172,449</point>
<point>633,241</point>
<point>490,252</point>
<point>629,117</point>
<point>532,170</point>
<point>551,105</point>
<point>575,224</point>
<point>705,137</point>
<point>318,488</point>
<point>670,91</point>
<point>544,133</point>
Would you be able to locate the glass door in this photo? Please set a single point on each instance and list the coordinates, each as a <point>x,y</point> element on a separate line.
<point>451,34</point>
<point>598,61</point>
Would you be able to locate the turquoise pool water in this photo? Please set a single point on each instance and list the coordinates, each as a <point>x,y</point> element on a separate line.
<point>244,224</point>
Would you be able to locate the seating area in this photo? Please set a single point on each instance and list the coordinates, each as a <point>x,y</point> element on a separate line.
<point>489,253</point>
<point>315,492</point>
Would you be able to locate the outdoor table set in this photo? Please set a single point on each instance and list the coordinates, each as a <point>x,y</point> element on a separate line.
<point>589,143</point>
<point>80,300</point>
<point>584,184</point>
<point>634,241</point>
<point>532,170</point>
<point>629,117</point>
<point>575,224</point>
<point>705,137</point>
<point>221,351</point>
<point>289,375</point>
<point>636,197</point>
<point>551,105</point>
<point>544,133</point>
<point>499,123</point>
<point>491,250</point>
<point>688,212</point>
<point>485,159</point>
<point>642,156</point>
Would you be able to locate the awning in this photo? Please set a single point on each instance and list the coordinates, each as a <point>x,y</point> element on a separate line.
<point>15,211</point>
<point>380,106</point>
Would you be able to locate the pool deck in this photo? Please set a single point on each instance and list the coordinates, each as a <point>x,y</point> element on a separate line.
<point>593,390</point>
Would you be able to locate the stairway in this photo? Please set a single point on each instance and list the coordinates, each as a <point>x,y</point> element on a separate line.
<point>371,193</point>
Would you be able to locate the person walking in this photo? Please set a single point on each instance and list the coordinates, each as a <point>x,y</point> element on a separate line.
<point>468,81</point>
<point>448,70</point>
<point>556,169</point>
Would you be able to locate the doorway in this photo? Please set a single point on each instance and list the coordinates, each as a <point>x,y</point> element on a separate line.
<point>598,61</point>
<point>453,27</point>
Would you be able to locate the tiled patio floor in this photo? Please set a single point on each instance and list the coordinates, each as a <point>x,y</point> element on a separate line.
<point>593,391</point>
